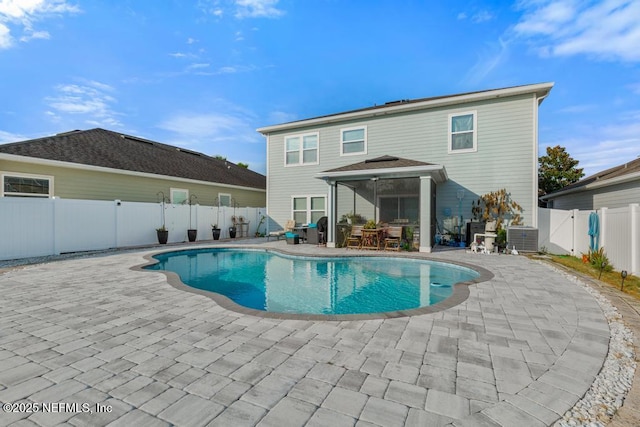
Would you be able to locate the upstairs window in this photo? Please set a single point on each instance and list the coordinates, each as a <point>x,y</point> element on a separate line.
<point>19,185</point>
<point>463,133</point>
<point>353,141</point>
<point>301,149</point>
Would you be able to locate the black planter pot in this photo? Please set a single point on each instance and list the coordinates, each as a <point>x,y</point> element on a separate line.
<point>216,233</point>
<point>192,234</point>
<point>163,236</point>
<point>232,232</point>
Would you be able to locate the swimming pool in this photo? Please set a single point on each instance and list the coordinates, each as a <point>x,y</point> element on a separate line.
<point>278,283</point>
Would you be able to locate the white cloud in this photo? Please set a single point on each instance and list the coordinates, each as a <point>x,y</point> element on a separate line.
<point>91,99</point>
<point>606,30</point>
<point>257,9</point>
<point>492,56</point>
<point>7,137</point>
<point>20,15</point>
<point>575,109</point>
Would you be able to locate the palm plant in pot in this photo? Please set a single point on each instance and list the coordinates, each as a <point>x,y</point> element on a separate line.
<point>215,231</point>
<point>162,232</point>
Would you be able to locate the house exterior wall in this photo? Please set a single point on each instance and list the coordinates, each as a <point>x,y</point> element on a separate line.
<point>506,155</point>
<point>72,183</point>
<point>612,196</point>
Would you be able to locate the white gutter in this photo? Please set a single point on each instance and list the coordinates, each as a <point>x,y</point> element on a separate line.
<point>70,165</point>
<point>544,88</point>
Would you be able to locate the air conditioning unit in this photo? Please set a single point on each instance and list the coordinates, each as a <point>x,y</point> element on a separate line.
<point>523,238</point>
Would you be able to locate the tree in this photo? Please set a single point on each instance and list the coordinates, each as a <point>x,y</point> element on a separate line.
<point>497,206</point>
<point>219,157</point>
<point>243,165</point>
<point>557,170</point>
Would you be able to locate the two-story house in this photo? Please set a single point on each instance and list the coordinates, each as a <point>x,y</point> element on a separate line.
<point>420,162</point>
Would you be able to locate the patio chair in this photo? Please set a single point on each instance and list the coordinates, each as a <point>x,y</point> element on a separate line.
<point>322,224</point>
<point>355,237</point>
<point>288,226</point>
<point>392,241</point>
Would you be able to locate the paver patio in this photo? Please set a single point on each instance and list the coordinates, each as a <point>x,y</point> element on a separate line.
<point>521,350</point>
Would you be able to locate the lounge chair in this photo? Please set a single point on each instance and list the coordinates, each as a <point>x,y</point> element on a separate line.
<point>288,226</point>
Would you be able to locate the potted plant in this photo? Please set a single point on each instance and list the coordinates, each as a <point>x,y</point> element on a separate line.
<point>233,228</point>
<point>191,232</point>
<point>258,233</point>
<point>163,234</point>
<point>216,232</point>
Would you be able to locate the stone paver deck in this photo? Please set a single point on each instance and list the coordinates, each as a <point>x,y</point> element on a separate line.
<point>520,351</point>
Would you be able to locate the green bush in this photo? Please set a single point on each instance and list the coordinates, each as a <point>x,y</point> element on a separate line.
<point>599,258</point>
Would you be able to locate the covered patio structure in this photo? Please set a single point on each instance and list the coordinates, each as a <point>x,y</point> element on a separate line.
<point>385,189</point>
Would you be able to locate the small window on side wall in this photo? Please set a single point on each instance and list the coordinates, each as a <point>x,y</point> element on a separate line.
<point>179,196</point>
<point>463,137</point>
<point>353,141</point>
<point>224,199</point>
<point>22,185</point>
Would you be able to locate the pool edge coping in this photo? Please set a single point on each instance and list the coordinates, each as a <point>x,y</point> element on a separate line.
<point>459,295</point>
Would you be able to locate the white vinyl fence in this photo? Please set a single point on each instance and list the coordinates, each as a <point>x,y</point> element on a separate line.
<point>40,227</point>
<point>566,232</point>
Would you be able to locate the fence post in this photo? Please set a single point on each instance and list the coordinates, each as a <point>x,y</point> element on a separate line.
<point>635,237</point>
<point>603,223</point>
<point>574,231</point>
<point>56,227</point>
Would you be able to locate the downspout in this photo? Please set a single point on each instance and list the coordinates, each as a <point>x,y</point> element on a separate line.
<point>534,214</point>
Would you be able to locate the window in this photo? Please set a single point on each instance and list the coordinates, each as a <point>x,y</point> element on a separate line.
<point>19,185</point>
<point>308,209</point>
<point>224,199</point>
<point>462,132</point>
<point>353,141</point>
<point>179,196</point>
<point>399,208</point>
<point>301,150</point>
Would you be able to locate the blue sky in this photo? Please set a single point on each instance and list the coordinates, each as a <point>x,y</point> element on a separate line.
<point>204,74</point>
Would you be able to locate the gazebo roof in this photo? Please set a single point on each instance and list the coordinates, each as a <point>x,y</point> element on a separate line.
<point>385,167</point>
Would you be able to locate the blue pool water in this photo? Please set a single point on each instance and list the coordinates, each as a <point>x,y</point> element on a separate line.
<point>285,284</point>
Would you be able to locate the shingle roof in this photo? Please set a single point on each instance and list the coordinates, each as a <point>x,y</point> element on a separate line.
<point>100,147</point>
<point>614,172</point>
<point>384,162</point>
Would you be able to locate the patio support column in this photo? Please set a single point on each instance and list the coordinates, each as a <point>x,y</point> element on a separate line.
<point>425,214</point>
<point>331,214</point>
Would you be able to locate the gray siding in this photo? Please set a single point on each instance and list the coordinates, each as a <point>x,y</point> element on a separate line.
<point>506,156</point>
<point>613,196</point>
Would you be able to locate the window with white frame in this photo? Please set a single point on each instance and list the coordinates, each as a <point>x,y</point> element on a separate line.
<point>353,141</point>
<point>463,135</point>
<point>22,185</point>
<point>308,209</point>
<point>301,149</point>
<point>224,199</point>
<point>179,196</point>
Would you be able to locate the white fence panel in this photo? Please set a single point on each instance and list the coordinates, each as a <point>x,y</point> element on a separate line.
<point>26,227</point>
<point>616,237</point>
<point>83,225</point>
<point>137,223</point>
<point>40,227</point>
<point>555,230</point>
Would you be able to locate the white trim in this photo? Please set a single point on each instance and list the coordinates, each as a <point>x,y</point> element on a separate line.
<point>26,175</point>
<point>301,149</point>
<point>438,171</point>
<point>342,142</point>
<point>450,133</point>
<point>534,165</point>
<point>539,89</point>
<point>172,190</point>
<point>69,165</point>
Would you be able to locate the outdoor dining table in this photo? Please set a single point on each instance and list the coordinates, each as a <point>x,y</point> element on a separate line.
<point>372,238</point>
<point>302,231</point>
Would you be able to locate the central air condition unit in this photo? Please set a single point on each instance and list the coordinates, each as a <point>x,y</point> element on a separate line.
<point>523,238</point>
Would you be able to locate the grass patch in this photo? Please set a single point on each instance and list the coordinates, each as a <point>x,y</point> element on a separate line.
<point>613,278</point>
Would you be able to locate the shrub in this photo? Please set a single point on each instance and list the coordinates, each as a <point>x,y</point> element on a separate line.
<point>598,258</point>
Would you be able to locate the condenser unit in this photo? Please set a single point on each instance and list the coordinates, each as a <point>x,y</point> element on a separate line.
<point>523,238</point>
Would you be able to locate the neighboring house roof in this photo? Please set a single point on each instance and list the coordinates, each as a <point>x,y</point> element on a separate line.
<point>541,90</point>
<point>114,150</point>
<point>615,175</point>
<point>386,167</point>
